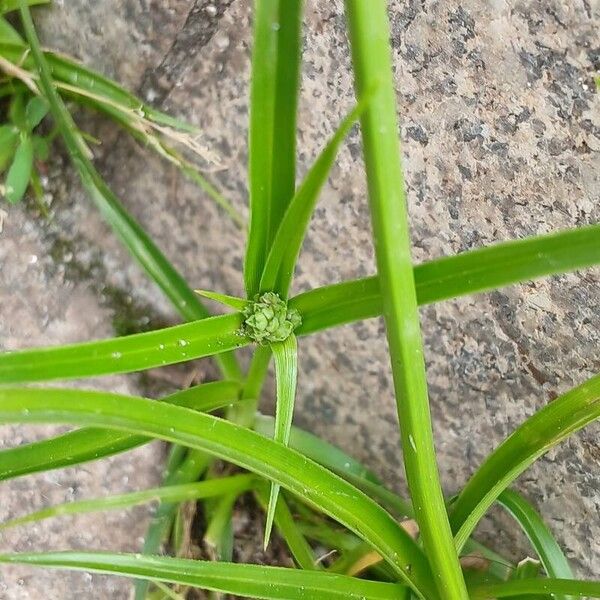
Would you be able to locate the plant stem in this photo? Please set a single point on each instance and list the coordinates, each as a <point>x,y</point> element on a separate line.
<point>369,36</point>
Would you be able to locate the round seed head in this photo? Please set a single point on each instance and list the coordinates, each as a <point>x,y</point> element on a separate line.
<point>268,319</point>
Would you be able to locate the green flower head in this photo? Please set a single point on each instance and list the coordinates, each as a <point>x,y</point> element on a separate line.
<point>268,319</point>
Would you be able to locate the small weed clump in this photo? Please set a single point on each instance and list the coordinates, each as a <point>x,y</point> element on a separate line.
<point>320,500</point>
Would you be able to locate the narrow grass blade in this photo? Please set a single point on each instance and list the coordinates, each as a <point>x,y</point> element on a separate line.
<point>369,40</point>
<point>261,137</point>
<point>286,525</point>
<point>156,265</point>
<point>73,448</point>
<point>231,301</point>
<point>281,260</point>
<point>206,397</point>
<point>272,133</point>
<point>314,484</point>
<point>546,428</point>
<point>125,354</point>
<point>254,581</point>
<point>328,536</point>
<point>551,556</point>
<point>454,276</point>
<point>341,303</point>
<point>87,444</point>
<point>289,48</point>
<point>286,374</point>
<point>537,587</point>
<point>19,172</point>
<point>175,493</point>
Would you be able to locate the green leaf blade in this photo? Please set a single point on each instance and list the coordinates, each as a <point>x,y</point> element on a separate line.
<point>509,262</point>
<point>286,373</point>
<point>255,581</point>
<point>551,556</point>
<point>536,587</point>
<point>231,301</point>
<point>174,493</point>
<point>546,428</point>
<point>288,29</point>
<point>83,445</point>
<point>455,276</point>
<point>126,354</point>
<point>72,448</point>
<point>91,444</point>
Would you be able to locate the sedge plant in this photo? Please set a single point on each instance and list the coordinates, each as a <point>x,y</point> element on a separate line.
<point>321,502</point>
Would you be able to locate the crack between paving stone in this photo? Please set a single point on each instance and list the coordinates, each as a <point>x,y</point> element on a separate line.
<point>201,24</point>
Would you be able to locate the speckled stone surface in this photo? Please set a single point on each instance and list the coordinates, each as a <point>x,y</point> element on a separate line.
<point>501,132</point>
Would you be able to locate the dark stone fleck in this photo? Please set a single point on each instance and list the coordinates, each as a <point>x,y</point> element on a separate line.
<point>417,133</point>
<point>538,126</point>
<point>524,115</point>
<point>499,148</point>
<point>460,18</point>
<point>467,131</point>
<point>465,172</point>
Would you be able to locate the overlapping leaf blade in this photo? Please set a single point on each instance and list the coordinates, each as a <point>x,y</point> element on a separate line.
<point>272,135</point>
<point>361,299</point>
<point>540,432</point>
<point>551,556</point>
<point>76,447</point>
<point>281,260</point>
<point>317,486</point>
<point>371,57</point>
